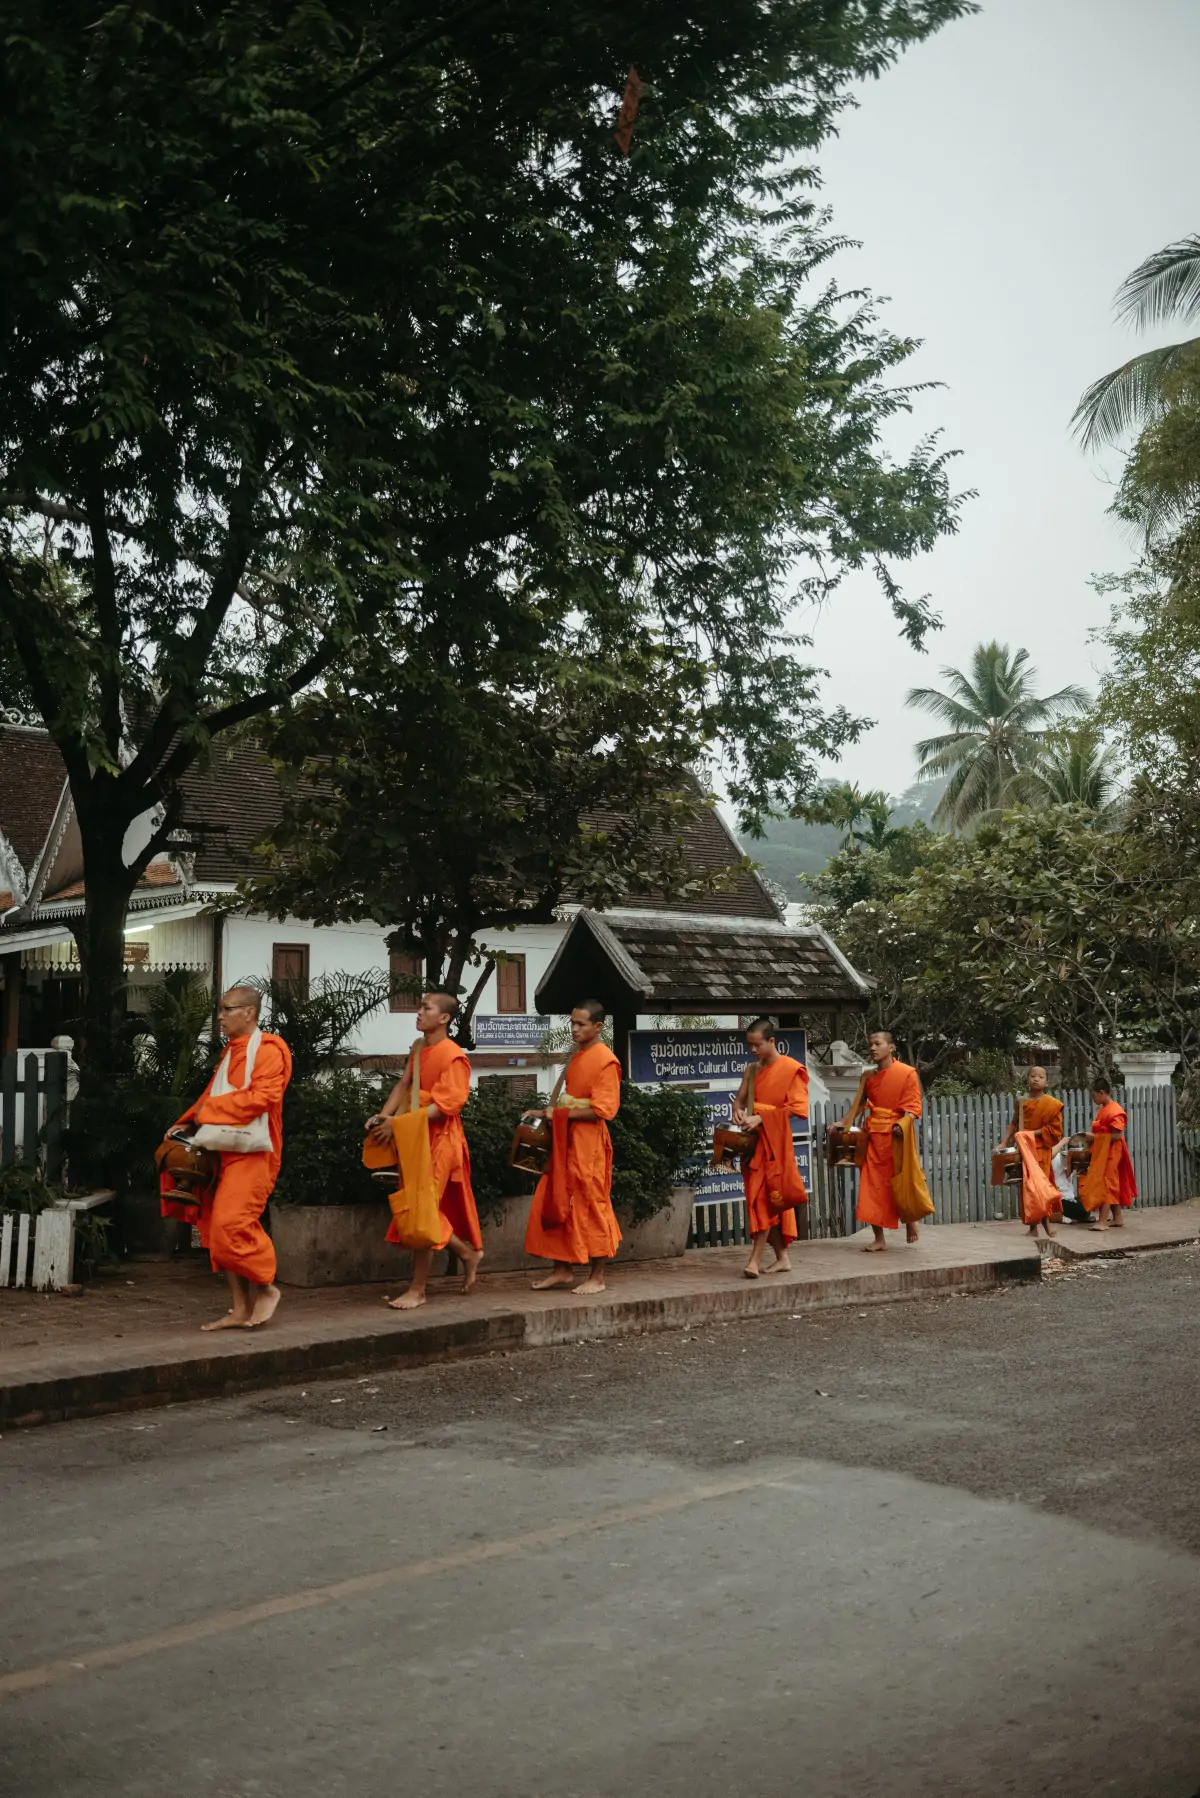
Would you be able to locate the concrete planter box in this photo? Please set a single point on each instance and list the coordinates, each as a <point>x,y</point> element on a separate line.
<point>343,1245</point>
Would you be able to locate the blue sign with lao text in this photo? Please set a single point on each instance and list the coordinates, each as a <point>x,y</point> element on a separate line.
<point>674,1057</point>
<point>712,1061</point>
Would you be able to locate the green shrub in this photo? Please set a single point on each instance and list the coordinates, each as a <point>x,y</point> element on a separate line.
<point>24,1189</point>
<point>322,1142</point>
<point>659,1136</point>
<point>490,1116</point>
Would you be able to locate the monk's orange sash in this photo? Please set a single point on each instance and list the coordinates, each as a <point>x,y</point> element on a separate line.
<point>908,1182</point>
<point>785,1188</point>
<point>1039,1195</point>
<point>556,1202</point>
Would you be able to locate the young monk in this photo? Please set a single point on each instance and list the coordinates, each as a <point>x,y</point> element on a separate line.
<point>231,1212</point>
<point>1041,1114</point>
<point>887,1093</point>
<point>444,1090</point>
<point>780,1094</point>
<point>1110,1183</point>
<point>571,1220</point>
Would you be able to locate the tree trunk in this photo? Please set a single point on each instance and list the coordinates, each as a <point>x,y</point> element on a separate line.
<point>100,935</point>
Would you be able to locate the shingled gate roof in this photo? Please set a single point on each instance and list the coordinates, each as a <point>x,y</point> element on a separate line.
<point>677,962</point>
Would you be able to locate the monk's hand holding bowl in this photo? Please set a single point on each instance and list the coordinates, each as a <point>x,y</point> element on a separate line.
<point>379,1129</point>
<point>181,1132</point>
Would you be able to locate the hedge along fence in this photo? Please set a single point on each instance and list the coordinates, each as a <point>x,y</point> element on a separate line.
<point>957,1138</point>
<point>655,1135</point>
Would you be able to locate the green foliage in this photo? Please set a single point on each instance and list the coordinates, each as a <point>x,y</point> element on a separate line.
<point>325,327</point>
<point>1141,392</point>
<point>173,1053</point>
<point>1039,924</point>
<point>323,1123</point>
<point>318,1022</point>
<point>489,1117</point>
<point>987,1071</point>
<point>659,1137</point>
<point>998,732</point>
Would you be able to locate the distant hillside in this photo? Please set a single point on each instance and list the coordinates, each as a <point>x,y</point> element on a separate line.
<point>792,850</point>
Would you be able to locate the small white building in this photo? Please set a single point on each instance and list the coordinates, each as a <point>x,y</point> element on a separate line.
<point>184,915</point>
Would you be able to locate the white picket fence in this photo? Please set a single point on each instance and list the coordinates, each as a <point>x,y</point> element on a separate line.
<point>957,1138</point>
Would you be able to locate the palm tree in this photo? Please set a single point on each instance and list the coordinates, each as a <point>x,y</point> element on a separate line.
<point>863,818</point>
<point>1073,771</point>
<point>1165,286</point>
<point>998,732</point>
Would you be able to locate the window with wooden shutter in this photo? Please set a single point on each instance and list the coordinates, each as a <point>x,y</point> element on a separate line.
<point>404,967</point>
<point>289,967</point>
<point>510,983</point>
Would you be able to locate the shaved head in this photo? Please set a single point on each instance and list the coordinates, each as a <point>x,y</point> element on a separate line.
<point>244,995</point>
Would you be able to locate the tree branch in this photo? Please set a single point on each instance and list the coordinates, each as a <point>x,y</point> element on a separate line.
<point>48,508</point>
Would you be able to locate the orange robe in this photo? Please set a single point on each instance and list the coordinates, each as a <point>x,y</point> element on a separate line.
<point>1110,1179</point>
<point>779,1086</point>
<point>590,1231</point>
<point>890,1092</point>
<point>1043,1118</point>
<point>446,1083</point>
<point>231,1212</point>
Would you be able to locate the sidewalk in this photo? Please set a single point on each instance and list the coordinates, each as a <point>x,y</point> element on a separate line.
<point>132,1338</point>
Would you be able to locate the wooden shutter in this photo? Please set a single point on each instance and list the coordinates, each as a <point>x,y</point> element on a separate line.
<point>510,983</point>
<point>289,967</point>
<point>404,966</point>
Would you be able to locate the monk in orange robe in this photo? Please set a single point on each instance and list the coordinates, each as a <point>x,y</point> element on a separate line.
<point>1041,1114</point>
<point>445,1088</point>
<point>780,1094</point>
<point>571,1220</point>
<point>886,1094</point>
<point>231,1211</point>
<point>1110,1183</point>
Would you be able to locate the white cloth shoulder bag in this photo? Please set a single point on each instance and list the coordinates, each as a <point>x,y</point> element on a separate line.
<point>236,1139</point>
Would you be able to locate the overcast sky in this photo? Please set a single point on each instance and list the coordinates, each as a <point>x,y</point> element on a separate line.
<point>1003,178</point>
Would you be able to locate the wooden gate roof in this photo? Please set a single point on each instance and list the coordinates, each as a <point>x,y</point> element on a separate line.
<point>678,962</point>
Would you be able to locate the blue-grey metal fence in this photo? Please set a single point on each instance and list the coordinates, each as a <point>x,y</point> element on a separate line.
<point>957,1139</point>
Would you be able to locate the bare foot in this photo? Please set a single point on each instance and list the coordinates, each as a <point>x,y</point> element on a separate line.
<point>408,1301</point>
<point>232,1320</point>
<point>1118,1223</point>
<point>780,1265</point>
<point>752,1270</point>
<point>1033,1229</point>
<point>551,1281</point>
<point>471,1268</point>
<point>594,1284</point>
<point>874,1248</point>
<point>1101,1226</point>
<point>911,1233</point>
<point>265,1307</point>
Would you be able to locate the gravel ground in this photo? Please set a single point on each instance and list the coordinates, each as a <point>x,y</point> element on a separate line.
<point>1079,1395</point>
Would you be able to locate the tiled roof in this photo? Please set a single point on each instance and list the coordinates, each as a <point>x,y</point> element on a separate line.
<point>678,962</point>
<point>31,782</point>
<point>231,803</point>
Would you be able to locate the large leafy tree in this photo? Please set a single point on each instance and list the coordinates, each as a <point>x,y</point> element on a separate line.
<point>319,320</point>
<point>1038,924</point>
<point>998,731</point>
<point>472,786</point>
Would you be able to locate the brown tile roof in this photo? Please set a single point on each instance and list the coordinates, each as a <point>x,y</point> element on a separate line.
<point>230,804</point>
<point>682,963</point>
<point>31,782</point>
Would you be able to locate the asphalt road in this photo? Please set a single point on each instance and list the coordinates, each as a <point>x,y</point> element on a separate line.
<point>946,1547</point>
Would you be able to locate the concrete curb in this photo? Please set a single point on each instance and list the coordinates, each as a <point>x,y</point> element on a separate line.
<point>60,1397</point>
